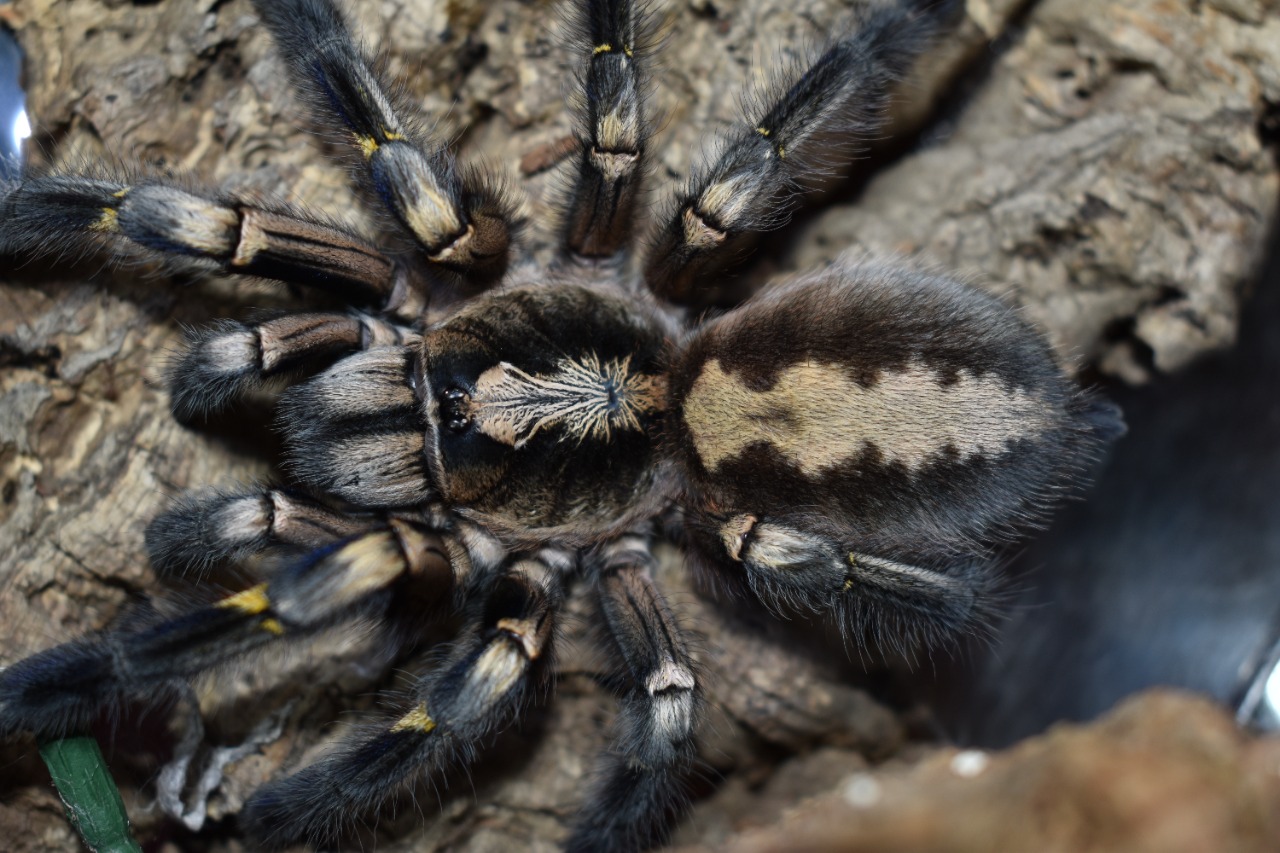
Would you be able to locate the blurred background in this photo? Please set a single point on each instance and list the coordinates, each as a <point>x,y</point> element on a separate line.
<point>1166,573</point>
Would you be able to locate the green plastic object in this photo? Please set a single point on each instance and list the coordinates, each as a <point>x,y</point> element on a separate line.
<point>89,794</point>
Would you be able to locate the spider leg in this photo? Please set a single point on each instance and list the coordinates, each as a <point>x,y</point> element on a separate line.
<point>611,141</point>
<point>227,359</point>
<point>460,219</point>
<point>640,792</point>
<point>476,690</point>
<point>63,688</point>
<point>203,231</point>
<point>357,431</point>
<point>752,184</point>
<point>203,529</point>
<point>908,601</point>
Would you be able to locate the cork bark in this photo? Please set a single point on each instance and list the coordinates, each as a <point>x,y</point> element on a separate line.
<point>1109,167</point>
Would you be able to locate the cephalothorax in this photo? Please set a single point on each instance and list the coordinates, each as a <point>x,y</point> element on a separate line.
<point>855,441</point>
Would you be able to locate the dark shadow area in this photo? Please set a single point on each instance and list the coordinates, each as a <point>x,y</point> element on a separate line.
<point>1168,573</point>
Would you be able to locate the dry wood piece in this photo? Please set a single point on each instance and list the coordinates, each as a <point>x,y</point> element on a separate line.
<point>1165,772</point>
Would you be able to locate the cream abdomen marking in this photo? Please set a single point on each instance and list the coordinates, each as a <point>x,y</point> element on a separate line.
<point>818,416</point>
<point>590,398</point>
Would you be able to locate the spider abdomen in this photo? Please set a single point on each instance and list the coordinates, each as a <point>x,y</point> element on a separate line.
<point>901,412</point>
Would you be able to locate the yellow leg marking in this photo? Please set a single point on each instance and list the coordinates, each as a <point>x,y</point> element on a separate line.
<point>417,720</point>
<point>602,48</point>
<point>108,223</point>
<point>391,136</point>
<point>852,560</point>
<point>251,602</point>
<point>782,152</point>
<point>763,131</point>
<point>628,52</point>
<point>367,144</point>
<point>272,627</point>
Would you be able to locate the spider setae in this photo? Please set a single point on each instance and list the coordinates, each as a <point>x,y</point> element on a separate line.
<point>854,442</point>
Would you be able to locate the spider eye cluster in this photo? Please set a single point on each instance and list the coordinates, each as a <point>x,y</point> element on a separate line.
<point>454,404</point>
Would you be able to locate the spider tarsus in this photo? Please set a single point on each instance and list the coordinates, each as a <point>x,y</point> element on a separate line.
<point>220,363</point>
<point>200,531</point>
<point>204,529</point>
<point>57,213</point>
<point>318,804</point>
<point>634,808</point>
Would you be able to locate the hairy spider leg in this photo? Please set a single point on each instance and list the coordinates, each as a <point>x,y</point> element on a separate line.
<point>228,359</point>
<point>905,605</point>
<point>357,431</point>
<point>483,683</point>
<point>62,689</point>
<point>912,606</point>
<point>640,789</point>
<point>599,210</point>
<point>199,231</point>
<point>460,218</point>
<point>753,183</point>
<point>204,529</point>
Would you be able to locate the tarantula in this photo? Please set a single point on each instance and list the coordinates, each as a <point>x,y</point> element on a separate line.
<point>853,442</point>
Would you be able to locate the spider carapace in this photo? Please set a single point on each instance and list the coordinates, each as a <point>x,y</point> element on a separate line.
<point>855,442</point>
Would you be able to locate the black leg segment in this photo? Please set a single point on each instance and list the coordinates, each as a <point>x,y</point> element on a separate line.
<point>198,230</point>
<point>203,529</point>
<point>640,789</point>
<point>63,689</point>
<point>613,132</point>
<point>224,361</point>
<point>751,185</point>
<point>460,219</point>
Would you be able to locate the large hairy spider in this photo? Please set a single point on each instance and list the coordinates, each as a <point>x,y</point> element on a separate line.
<point>855,442</point>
